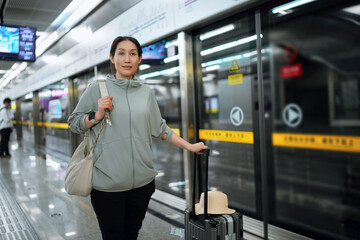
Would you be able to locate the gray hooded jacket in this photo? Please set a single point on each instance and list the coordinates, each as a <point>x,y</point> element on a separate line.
<point>123,157</point>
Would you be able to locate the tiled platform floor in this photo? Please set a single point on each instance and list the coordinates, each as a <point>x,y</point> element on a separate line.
<point>33,187</point>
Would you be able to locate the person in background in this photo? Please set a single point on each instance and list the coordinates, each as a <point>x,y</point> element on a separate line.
<point>5,128</point>
<point>123,174</point>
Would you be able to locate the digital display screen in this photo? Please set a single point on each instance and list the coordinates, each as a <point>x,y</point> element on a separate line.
<point>9,39</point>
<point>17,43</point>
<point>154,53</point>
<point>55,109</point>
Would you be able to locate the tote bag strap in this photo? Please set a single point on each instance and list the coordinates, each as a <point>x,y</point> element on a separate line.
<point>103,89</point>
<point>104,93</point>
<point>92,149</point>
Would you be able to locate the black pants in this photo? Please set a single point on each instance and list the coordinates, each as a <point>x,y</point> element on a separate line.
<point>4,144</point>
<point>120,214</point>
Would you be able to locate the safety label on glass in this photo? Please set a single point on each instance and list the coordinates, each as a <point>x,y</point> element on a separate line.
<point>235,79</point>
<point>317,141</point>
<point>226,136</point>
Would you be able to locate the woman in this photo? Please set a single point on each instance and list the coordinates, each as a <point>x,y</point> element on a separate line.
<point>123,175</point>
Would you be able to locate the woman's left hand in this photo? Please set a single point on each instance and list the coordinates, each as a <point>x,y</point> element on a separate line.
<point>197,147</point>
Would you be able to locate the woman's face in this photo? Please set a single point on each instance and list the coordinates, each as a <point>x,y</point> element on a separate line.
<point>126,59</point>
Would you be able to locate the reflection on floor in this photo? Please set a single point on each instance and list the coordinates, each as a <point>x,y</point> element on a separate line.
<point>36,183</point>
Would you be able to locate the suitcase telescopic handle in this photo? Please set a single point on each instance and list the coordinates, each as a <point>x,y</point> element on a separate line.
<point>204,155</point>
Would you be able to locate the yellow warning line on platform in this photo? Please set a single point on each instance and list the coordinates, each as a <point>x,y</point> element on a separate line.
<point>317,141</point>
<point>43,124</point>
<point>227,136</point>
<point>22,122</point>
<point>53,125</point>
<point>64,125</point>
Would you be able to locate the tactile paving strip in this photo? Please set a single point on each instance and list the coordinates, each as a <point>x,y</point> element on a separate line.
<point>13,223</point>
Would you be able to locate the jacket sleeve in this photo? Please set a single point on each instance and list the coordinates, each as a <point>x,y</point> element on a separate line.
<point>87,103</point>
<point>2,116</point>
<point>157,123</point>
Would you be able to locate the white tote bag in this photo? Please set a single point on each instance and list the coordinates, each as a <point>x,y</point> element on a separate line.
<point>78,178</point>
<point>79,171</point>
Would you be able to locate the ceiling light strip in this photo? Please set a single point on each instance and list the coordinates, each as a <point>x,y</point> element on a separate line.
<point>171,59</point>
<point>216,32</point>
<point>70,17</point>
<point>12,73</point>
<point>228,45</point>
<point>290,5</point>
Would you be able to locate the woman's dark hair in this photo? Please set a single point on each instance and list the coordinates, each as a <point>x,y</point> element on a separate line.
<point>114,45</point>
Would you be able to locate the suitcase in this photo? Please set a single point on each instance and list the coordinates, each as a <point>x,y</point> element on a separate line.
<point>206,226</point>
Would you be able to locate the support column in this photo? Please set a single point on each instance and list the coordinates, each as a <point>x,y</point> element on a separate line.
<point>264,176</point>
<point>73,98</point>
<point>18,127</point>
<point>187,104</point>
<point>36,119</point>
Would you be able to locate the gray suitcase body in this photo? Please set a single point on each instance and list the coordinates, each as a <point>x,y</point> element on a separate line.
<point>197,230</point>
<point>211,227</point>
<point>216,227</point>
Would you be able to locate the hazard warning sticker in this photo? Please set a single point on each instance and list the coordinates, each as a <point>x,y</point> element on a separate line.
<point>234,67</point>
<point>235,79</point>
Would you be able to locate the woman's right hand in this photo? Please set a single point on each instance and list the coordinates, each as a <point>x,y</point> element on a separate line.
<point>103,104</point>
<point>197,147</point>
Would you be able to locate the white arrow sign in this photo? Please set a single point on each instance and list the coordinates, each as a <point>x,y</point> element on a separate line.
<point>292,115</point>
<point>236,116</point>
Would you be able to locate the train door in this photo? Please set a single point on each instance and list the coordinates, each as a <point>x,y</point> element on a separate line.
<point>226,76</point>
<point>160,71</point>
<point>312,58</point>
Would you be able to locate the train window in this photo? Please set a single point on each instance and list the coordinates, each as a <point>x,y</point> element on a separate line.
<point>82,81</point>
<point>53,115</point>
<point>315,86</point>
<point>345,97</point>
<point>226,71</point>
<point>160,71</point>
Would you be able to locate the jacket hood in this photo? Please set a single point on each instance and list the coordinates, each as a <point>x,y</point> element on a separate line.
<point>123,82</point>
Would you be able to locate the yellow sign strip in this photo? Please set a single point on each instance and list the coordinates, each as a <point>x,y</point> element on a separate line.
<point>227,136</point>
<point>316,141</point>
